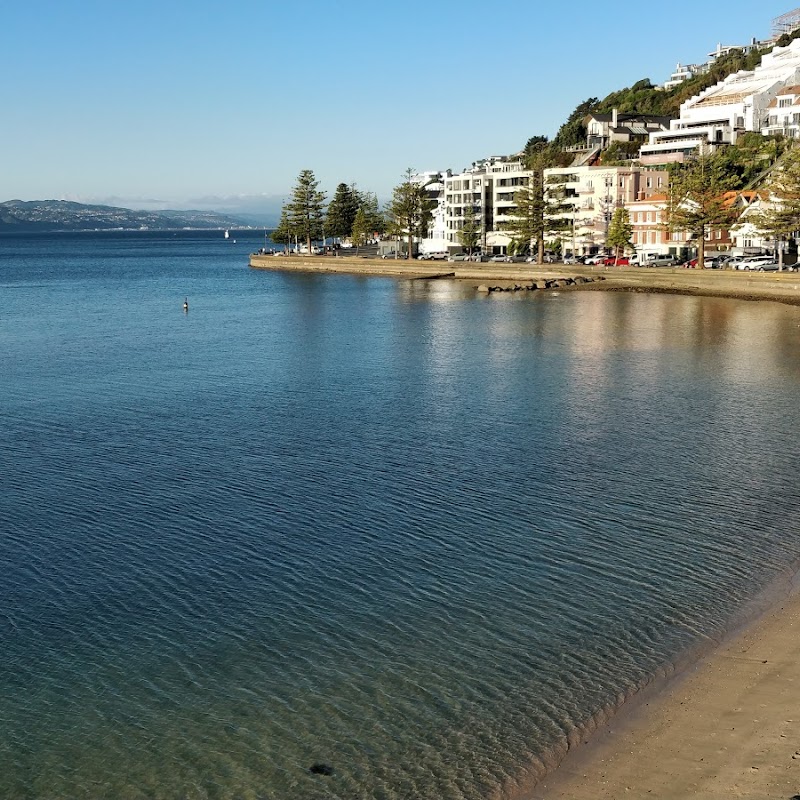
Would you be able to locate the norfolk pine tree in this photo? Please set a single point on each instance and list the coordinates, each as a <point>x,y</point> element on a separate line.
<point>342,211</point>
<point>697,198</point>
<point>470,232</point>
<point>620,232</point>
<point>283,233</point>
<point>410,210</point>
<point>305,212</point>
<point>360,230</point>
<point>782,220</point>
<point>534,214</point>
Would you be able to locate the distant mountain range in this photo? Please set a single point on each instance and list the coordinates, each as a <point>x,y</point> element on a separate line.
<point>64,215</point>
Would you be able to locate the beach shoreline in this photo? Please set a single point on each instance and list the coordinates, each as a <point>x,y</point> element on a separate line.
<point>724,725</point>
<point>783,287</point>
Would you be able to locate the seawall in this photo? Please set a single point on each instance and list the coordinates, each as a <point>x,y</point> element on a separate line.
<point>778,286</point>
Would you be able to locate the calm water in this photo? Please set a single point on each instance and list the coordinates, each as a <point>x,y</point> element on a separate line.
<point>415,534</point>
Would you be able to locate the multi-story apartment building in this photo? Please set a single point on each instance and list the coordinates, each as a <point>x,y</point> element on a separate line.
<point>434,183</point>
<point>590,195</point>
<point>486,191</point>
<point>648,217</point>
<point>720,113</point>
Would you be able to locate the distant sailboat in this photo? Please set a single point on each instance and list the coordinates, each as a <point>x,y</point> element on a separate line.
<point>227,234</point>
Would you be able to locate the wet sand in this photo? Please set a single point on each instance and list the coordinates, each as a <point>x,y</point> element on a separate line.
<point>729,727</point>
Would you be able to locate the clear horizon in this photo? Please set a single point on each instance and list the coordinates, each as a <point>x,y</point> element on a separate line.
<point>194,106</point>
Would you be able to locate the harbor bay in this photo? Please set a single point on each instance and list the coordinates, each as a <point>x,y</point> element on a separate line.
<point>420,536</point>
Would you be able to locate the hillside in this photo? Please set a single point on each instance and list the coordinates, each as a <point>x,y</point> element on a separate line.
<point>645,98</point>
<point>63,215</point>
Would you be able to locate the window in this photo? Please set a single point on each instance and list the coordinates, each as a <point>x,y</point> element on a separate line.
<point>784,102</point>
<point>660,181</point>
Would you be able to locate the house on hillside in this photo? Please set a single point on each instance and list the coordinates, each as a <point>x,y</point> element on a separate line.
<point>783,113</point>
<point>604,129</point>
<point>716,116</point>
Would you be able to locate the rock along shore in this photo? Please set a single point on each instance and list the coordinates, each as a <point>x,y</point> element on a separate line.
<point>488,277</point>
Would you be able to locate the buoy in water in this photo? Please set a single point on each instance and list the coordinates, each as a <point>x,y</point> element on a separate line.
<point>186,304</point>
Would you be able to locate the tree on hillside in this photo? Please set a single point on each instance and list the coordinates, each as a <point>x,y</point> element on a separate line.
<point>697,199</point>
<point>620,232</point>
<point>342,211</point>
<point>781,220</point>
<point>410,210</point>
<point>305,211</point>
<point>573,131</point>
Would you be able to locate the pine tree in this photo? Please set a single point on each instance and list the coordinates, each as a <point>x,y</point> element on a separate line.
<point>410,211</point>
<point>536,209</point>
<point>361,229</point>
<point>306,210</point>
<point>620,232</point>
<point>470,232</point>
<point>342,211</point>
<point>376,222</point>
<point>782,219</point>
<point>697,198</point>
<point>283,233</point>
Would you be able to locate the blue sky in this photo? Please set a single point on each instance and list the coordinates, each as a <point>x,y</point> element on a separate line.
<point>174,101</point>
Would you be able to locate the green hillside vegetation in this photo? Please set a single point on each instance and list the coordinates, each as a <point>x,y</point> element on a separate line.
<point>644,98</point>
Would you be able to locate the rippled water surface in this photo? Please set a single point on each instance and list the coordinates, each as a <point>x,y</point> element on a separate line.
<point>412,533</point>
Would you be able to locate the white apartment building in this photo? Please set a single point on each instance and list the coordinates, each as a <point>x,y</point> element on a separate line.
<point>485,190</point>
<point>591,194</point>
<point>783,113</point>
<point>717,115</point>
<point>434,183</point>
<point>682,73</point>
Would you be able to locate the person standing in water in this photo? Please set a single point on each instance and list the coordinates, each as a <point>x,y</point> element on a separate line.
<point>186,305</point>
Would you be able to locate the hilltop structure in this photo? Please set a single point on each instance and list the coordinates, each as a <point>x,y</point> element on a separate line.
<point>738,104</point>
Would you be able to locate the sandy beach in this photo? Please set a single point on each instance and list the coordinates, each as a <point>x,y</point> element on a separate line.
<point>729,727</point>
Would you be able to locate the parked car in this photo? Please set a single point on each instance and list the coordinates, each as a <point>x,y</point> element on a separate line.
<point>460,257</point>
<point>662,261</point>
<point>500,259</point>
<point>758,264</point>
<point>622,261</point>
<point>593,260</point>
<point>437,256</point>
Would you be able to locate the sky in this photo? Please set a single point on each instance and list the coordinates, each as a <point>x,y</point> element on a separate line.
<point>179,104</point>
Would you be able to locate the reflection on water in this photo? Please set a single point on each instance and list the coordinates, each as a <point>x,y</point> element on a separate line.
<point>415,533</point>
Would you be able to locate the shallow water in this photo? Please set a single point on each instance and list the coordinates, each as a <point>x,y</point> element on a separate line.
<point>413,533</point>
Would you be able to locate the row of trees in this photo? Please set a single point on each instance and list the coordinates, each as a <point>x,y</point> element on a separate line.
<point>305,217</point>
<point>352,213</point>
